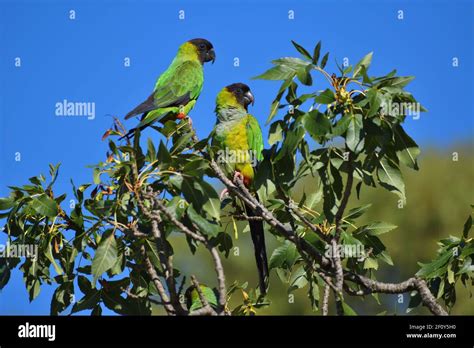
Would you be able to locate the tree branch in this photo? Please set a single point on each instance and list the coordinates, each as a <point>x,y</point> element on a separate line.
<point>156,280</point>
<point>200,238</point>
<point>414,283</point>
<point>326,299</point>
<point>164,254</point>
<point>239,190</point>
<point>335,240</point>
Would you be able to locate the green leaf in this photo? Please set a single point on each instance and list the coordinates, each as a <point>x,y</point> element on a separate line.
<point>326,97</point>
<point>291,62</point>
<point>298,279</point>
<point>341,126</point>
<point>364,62</point>
<point>6,203</point>
<point>375,228</point>
<point>314,197</point>
<point>375,100</point>
<point>301,50</point>
<point>324,60</point>
<point>53,172</point>
<point>316,53</point>
<point>467,227</point>
<point>206,227</point>
<point>89,301</point>
<point>202,196</point>
<point>61,297</point>
<point>317,124</point>
<point>276,132</point>
<point>406,148</point>
<point>164,156</point>
<point>96,176</point>
<point>106,254</point>
<point>34,289</point>
<point>114,302</point>
<point>371,263</point>
<point>279,72</point>
<point>291,142</point>
<point>84,284</point>
<point>356,212</point>
<point>212,206</point>
<point>4,273</point>
<point>273,110</point>
<point>276,103</point>
<point>44,205</point>
<point>400,81</point>
<point>50,257</point>
<point>193,300</point>
<point>151,154</point>
<point>390,177</point>
<point>153,253</point>
<point>354,135</point>
<point>348,310</point>
<point>304,75</point>
<point>436,267</point>
<point>384,256</point>
<point>181,143</point>
<point>284,256</point>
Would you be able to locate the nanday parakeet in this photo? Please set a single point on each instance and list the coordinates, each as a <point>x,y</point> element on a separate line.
<point>178,88</point>
<point>238,136</point>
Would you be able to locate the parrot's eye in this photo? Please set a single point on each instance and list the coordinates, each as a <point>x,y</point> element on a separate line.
<point>240,91</point>
<point>202,46</point>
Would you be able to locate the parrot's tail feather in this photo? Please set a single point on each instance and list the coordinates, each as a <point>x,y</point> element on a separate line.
<point>258,238</point>
<point>144,107</point>
<point>129,134</point>
<point>157,118</point>
<point>130,115</point>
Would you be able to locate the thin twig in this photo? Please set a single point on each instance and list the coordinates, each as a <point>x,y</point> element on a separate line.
<point>326,299</point>
<point>156,280</point>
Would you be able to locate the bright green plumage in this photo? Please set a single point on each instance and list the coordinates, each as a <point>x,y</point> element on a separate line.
<point>178,88</point>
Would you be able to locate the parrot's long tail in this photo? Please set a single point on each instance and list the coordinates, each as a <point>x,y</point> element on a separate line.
<point>161,118</point>
<point>258,238</point>
<point>131,132</point>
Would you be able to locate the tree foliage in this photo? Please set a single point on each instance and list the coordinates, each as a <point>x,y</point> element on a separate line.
<point>113,243</point>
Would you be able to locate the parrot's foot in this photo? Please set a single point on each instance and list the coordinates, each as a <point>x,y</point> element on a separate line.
<point>181,116</point>
<point>239,177</point>
<point>224,193</point>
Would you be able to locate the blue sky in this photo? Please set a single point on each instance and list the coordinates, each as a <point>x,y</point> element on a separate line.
<point>82,60</point>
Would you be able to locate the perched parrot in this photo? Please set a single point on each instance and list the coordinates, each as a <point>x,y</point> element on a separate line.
<point>239,139</point>
<point>178,88</point>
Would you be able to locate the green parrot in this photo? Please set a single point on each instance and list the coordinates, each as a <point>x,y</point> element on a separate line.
<point>239,139</point>
<point>178,88</point>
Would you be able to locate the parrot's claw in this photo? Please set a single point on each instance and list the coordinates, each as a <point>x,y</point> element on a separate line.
<point>238,176</point>
<point>224,193</point>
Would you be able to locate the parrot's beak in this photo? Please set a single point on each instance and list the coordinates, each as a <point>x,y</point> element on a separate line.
<point>248,97</point>
<point>211,56</point>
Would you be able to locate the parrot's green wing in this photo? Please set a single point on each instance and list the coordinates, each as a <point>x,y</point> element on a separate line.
<point>254,137</point>
<point>177,86</point>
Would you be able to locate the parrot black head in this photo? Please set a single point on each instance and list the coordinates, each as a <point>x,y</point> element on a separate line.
<point>204,49</point>
<point>242,94</point>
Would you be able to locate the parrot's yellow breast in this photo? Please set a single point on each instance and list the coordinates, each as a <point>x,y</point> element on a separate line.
<point>237,143</point>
